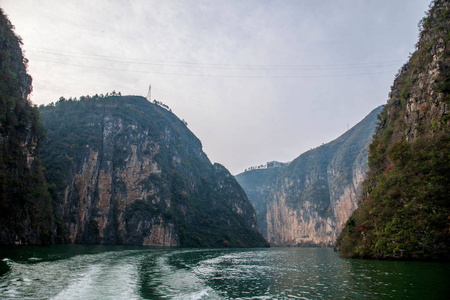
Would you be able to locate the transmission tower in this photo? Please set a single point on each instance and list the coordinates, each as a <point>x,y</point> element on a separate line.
<point>149,94</point>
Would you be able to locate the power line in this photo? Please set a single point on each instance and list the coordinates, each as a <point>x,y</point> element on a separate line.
<point>217,65</point>
<point>213,75</point>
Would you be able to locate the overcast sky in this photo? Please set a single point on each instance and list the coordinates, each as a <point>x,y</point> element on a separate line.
<point>257,80</point>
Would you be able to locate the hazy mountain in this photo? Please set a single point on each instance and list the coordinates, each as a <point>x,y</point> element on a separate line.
<point>308,201</point>
<point>258,185</point>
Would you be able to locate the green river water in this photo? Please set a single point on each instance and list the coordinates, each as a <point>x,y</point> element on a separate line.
<point>122,272</point>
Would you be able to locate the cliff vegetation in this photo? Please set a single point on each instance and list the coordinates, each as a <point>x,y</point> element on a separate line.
<point>25,208</point>
<point>404,212</point>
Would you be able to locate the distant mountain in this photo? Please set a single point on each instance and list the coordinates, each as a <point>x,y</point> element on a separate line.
<point>404,211</point>
<point>258,185</point>
<point>25,208</point>
<point>307,202</point>
<point>123,170</point>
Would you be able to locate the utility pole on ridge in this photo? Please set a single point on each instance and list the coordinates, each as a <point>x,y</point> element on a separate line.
<point>149,94</point>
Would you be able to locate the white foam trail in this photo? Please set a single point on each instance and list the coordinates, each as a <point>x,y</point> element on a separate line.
<point>80,287</point>
<point>206,293</point>
<point>111,278</point>
<point>108,275</point>
<point>178,283</point>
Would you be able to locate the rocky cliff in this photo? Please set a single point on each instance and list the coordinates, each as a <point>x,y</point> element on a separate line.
<point>25,208</point>
<point>308,202</point>
<point>404,210</point>
<point>123,170</point>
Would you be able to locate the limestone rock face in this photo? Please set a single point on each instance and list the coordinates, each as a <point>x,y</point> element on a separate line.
<point>308,202</point>
<point>425,90</point>
<point>127,171</point>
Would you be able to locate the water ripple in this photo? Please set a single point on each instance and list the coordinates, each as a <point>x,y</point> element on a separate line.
<point>114,272</point>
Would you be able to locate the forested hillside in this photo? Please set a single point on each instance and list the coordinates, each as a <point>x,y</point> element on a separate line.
<point>404,211</point>
<point>123,170</point>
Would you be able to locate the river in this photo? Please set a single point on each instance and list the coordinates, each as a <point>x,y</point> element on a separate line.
<point>122,272</point>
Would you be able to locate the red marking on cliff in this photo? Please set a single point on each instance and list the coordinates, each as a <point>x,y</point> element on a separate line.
<point>388,168</point>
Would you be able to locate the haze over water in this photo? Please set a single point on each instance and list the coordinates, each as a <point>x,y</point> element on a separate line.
<point>120,272</point>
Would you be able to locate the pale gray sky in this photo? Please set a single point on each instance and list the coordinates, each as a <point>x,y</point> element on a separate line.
<point>257,80</point>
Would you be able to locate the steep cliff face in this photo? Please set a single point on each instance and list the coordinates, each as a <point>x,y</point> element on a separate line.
<point>308,202</point>
<point>126,171</point>
<point>405,208</point>
<point>25,208</point>
<point>258,185</point>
